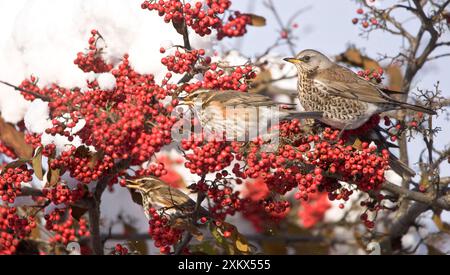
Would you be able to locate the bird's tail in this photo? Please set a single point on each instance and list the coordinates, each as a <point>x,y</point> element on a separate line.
<point>400,168</point>
<point>397,165</point>
<point>417,108</point>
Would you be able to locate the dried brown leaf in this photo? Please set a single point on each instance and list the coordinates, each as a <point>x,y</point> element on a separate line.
<point>14,139</point>
<point>37,164</point>
<point>257,20</point>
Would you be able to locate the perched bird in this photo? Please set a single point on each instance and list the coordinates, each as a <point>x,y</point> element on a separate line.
<point>347,100</point>
<point>159,195</point>
<point>241,116</point>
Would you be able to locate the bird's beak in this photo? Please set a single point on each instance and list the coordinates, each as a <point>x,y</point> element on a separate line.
<point>133,185</point>
<point>292,60</point>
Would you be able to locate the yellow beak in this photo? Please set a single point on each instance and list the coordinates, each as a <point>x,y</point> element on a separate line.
<point>292,60</point>
<point>133,185</point>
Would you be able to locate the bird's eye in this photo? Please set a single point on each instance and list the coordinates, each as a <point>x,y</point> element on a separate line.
<point>306,58</point>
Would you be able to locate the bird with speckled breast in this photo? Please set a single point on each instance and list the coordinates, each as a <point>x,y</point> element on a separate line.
<point>346,100</point>
<point>159,195</point>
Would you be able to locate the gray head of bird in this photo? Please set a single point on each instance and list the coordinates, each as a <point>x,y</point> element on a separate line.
<point>145,185</point>
<point>310,60</point>
<point>194,98</point>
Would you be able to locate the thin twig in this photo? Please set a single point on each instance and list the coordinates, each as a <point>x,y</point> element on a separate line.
<point>43,97</point>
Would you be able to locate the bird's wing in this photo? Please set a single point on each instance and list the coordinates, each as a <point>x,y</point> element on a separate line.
<point>343,82</point>
<point>236,98</point>
<point>176,198</point>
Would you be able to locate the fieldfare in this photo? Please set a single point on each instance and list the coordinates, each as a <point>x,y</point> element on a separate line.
<point>347,100</point>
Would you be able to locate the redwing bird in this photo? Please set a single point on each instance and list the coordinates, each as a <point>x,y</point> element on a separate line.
<point>159,195</point>
<point>241,116</point>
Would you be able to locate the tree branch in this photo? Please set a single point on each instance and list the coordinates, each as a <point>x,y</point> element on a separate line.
<point>401,226</point>
<point>443,202</point>
<point>94,211</point>
<point>188,235</point>
<point>36,95</point>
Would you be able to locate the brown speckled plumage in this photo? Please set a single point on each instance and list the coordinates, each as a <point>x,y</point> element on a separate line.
<point>346,100</point>
<point>158,194</point>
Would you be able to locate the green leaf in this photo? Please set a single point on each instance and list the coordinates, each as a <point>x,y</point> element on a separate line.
<point>217,235</point>
<point>221,240</point>
<point>235,244</point>
<point>37,164</point>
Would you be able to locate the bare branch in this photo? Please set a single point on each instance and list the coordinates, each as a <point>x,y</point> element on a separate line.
<point>43,97</point>
<point>438,56</point>
<point>270,5</point>
<point>94,210</point>
<point>442,202</point>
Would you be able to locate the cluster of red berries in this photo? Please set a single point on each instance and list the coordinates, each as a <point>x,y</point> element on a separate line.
<point>5,150</point>
<point>200,17</point>
<point>62,194</point>
<point>395,130</point>
<point>372,75</point>
<point>35,141</point>
<point>235,27</point>
<point>181,62</point>
<point>306,161</point>
<point>207,156</point>
<point>276,207</point>
<point>11,181</point>
<point>154,169</point>
<point>172,177</point>
<point>92,61</point>
<point>162,233</point>
<point>366,20</point>
<point>313,211</point>
<point>260,209</point>
<point>81,164</point>
<point>65,228</point>
<point>13,229</point>
<point>31,86</point>
<point>236,78</point>
<point>223,199</point>
<point>129,123</point>
<point>120,250</point>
